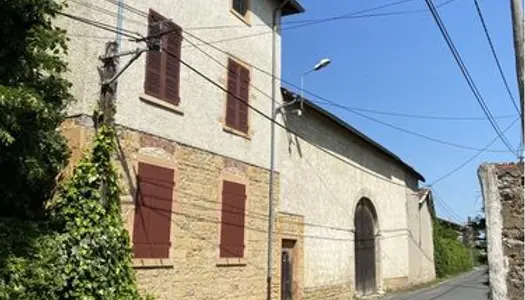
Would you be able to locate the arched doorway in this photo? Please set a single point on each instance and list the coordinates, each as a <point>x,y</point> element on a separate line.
<point>365,247</point>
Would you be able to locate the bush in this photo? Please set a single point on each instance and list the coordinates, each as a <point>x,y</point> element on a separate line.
<point>31,261</point>
<point>450,255</point>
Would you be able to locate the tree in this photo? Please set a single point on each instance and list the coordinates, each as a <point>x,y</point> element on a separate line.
<point>68,244</point>
<point>33,96</point>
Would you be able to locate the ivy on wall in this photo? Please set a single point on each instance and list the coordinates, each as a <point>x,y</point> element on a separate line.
<point>83,251</point>
<point>450,255</point>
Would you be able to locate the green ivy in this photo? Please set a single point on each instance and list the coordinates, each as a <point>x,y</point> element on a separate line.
<point>83,250</point>
<point>99,258</point>
<point>450,255</point>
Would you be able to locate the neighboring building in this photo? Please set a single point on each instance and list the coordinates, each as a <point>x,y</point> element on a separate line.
<point>367,228</point>
<point>193,161</point>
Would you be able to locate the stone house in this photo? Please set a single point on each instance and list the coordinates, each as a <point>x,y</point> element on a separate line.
<point>367,228</point>
<point>194,162</point>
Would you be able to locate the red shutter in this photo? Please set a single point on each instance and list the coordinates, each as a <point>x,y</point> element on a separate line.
<point>151,231</point>
<point>231,102</point>
<point>244,94</point>
<point>173,43</point>
<point>232,221</point>
<point>153,80</point>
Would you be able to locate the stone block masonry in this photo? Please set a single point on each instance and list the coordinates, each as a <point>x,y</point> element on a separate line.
<point>194,269</point>
<point>502,186</point>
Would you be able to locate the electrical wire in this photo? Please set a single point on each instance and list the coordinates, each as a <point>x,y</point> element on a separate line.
<point>416,134</point>
<point>351,15</point>
<point>332,103</point>
<point>295,133</point>
<point>459,146</point>
<point>466,162</point>
<point>413,116</point>
<point>493,50</point>
<point>451,212</point>
<point>466,74</point>
<point>100,25</point>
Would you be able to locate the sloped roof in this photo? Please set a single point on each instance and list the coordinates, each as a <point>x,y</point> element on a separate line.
<point>423,193</point>
<point>354,131</point>
<point>291,8</point>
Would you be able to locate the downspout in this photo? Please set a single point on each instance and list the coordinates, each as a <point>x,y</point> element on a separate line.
<point>276,15</point>
<point>120,12</point>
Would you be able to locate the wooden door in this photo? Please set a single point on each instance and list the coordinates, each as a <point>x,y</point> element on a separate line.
<point>365,266</point>
<point>287,270</point>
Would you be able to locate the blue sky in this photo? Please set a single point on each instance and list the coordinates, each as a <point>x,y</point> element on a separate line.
<point>402,64</point>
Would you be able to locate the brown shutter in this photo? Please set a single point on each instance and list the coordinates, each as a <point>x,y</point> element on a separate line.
<point>151,230</point>
<point>173,43</point>
<point>231,102</point>
<point>153,80</point>
<point>232,221</point>
<point>244,94</point>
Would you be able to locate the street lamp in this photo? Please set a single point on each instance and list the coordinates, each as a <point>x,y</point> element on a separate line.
<point>320,65</point>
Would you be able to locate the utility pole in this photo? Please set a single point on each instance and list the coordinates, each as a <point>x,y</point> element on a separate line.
<point>518,31</point>
<point>109,74</point>
<point>108,89</point>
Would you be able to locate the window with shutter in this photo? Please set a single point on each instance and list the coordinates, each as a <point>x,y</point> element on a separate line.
<point>238,96</point>
<point>232,220</point>
<point>163,68</point>
<point>153,209</point>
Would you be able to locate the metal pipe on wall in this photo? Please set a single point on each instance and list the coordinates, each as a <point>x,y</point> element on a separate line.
<point>276,17</point>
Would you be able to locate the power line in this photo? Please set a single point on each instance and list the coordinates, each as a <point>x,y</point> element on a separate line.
<point>103,10</point>
<point>352,110</point>
<point>144,14</point>
<point>459,146</point>
<point>459,167</point>
<point>466,74</point>
<point>500,69</point>
<point>277,123</point>
<point>352,15</point>
<point>416,116</point>
<point>452,213</point>
<point>100,25</point>
<point>413,133</point>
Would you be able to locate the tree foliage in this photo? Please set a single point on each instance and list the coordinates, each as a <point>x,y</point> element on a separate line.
<point>450,255</point>
<point>33,95</point>
<point>68,244</point>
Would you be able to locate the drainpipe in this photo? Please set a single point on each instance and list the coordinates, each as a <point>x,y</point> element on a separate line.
<point>276,15</point>
<point>120,12</point>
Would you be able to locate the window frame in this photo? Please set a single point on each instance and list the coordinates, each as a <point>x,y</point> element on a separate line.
<point>161,99</point>
<point>232,261</point>
<point>168,164</point>
<point>246,18</point>
<point>230,129</point>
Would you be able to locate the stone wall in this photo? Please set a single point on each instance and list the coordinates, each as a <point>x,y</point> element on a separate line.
<point>502,186</point>
<point>342,291</point>
<point>194,269</point>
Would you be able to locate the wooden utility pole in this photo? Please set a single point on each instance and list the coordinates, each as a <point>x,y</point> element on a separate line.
<point>108,89</point>
<point>518,30</point>
<point>108,82</point>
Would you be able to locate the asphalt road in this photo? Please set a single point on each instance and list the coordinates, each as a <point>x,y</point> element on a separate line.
<point>464,287</point>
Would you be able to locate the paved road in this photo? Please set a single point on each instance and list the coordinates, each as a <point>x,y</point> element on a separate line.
<point>464,287</point>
